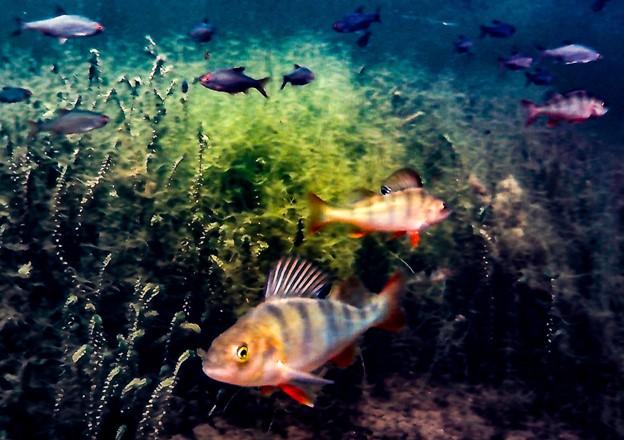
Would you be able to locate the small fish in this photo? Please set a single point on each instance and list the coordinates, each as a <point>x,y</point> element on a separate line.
<point>599,5</point>
<point>14,94</point>
<point>362,41</point>
<point>572,54</point>
<point>184,86</point>
<point>356,21</point>
<point>498,29</point>
<point>62,27</point>
<point>69,122</point>
<point>298,77</point>
<point>539,77</point>
<point>207,55</point>
<point>463,44</point>
<point>232,81</point>
<point>403,207</point>
<point>202,32</point>
<point>285,340</point>
<point>573,107</point>
<point>516,61</point>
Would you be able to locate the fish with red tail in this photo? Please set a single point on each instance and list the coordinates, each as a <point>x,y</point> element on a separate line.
<point>233,81</point>
<point>402,208</point>
<point>285,340</point>
<point>62,26</point>
<point>573,107</point>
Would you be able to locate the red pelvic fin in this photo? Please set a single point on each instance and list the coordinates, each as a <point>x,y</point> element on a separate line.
<point>358,234</point>
<point>345,357</point>
<point>414,238</point>
<point>298,394</point>
<point>267,390</point>
<point>397,234</point>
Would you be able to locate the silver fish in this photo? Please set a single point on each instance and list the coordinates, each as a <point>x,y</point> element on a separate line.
<point>69,122</point>
<point>62,27</point>
<point>572,54</point>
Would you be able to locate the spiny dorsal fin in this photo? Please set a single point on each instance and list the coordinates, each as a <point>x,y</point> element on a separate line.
<point>350,291</point>
<point>359,194</point>
<point>238,69</point>
<point>297,66</point>
<point>359,9</point>
<point>59,10</point>
<point>294,276</point>
<point>400,180</point>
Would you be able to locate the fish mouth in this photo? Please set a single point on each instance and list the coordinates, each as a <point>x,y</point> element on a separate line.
<point>216,373</point>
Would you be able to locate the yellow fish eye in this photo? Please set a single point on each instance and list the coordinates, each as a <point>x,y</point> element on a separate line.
<point>242,353</point>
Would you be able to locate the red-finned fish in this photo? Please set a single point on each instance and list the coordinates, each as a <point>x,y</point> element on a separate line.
<point>403,207</point>
<point>356,21</point>
<point>232,81</point>
<point>282,342</point>
<point>69,122</point>
<point>300,76</point>
<point>572,54</point>
<point>62,27</point>
<point>573,107</point>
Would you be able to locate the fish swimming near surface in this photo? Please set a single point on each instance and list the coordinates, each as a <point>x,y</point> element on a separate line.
<point>300,76</point>
<point>571,54</point>
<point>12,95</point>
<point>516,61</point>
<point>233,81</point>
<point>403,207</point>
<point>202,32</point>
<point>285,340</point>
<point>62,27</point>
<point>573,107</point>
<point>498,29</point>
<point>539,77</point>
<point>463,44</point>
<point>70,122</point>
<point>357,21</point>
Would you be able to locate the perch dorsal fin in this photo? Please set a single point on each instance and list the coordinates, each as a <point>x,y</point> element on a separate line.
<point>294,277</point>
<point>238,69</point>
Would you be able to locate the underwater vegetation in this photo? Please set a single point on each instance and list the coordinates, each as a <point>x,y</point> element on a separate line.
<point>128,248</point>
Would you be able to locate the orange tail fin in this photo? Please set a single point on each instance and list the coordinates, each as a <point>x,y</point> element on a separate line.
<point>394,319</point>
<point>318,209</point>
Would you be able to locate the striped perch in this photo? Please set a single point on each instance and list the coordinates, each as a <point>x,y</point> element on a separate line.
<point>402,207</point>
<point>284,340</point>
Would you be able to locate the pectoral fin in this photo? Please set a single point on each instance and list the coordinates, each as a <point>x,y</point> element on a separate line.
<point>292,375</point>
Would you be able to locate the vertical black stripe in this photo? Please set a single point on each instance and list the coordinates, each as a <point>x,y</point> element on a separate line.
<point>306,324</point>
<point>347,318</point>
<point>329,312</point>
<point>277,314</point>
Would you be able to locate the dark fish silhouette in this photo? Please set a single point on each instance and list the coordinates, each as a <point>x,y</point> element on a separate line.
<point>185,86</point>
<point>69,122</point>
<point>11,95</point>
<point>498,29</point>
<point>599,5</point>
<point>363,40</point>
<point>62,27</point>
<point>202,32</point>
<point>232,81</point>
<point>356,21</point>
<point>463,44</point>
<point>540,77</point>
<point>298,77</point>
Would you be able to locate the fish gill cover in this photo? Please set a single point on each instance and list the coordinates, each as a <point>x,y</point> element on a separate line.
<point>126,249</point>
